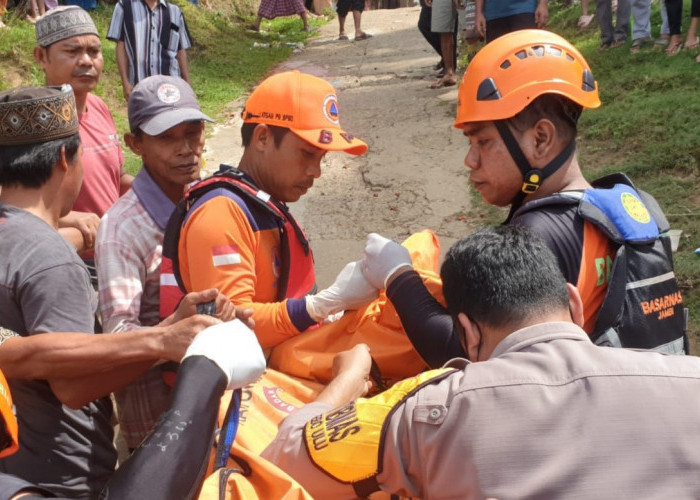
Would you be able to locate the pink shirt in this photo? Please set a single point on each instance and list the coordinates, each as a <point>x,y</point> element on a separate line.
<point>102,159</point>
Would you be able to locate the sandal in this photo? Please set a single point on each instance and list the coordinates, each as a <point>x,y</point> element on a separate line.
<point>638,43</point>
<point>636,46</point>
<point>343,37</point>
<point>674,45</point>
<point>363,36</point>
<point>692,44</point>
<point>662,42</point>
<point>617,43</point>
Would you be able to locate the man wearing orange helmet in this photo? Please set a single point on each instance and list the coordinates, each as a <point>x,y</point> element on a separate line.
<point>519,104</point>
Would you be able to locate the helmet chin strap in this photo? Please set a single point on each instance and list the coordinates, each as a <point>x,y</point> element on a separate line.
<point>532,177</point>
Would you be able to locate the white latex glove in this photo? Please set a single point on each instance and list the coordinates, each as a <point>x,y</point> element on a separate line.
<point>349,291</point>
<point>383,257</point>
<point>234,348</point>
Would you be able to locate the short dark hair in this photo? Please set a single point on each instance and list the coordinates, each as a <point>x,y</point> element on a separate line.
<point>562,111</point>
<point>247,129</point>
<point>502,275</point>
<point>31,165</point>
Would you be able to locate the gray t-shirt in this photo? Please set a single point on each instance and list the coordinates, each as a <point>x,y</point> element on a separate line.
<point>45,287</point>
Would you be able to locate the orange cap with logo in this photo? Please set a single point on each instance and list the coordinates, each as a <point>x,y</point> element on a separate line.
<point>306,105</point>
<point>513,70</point>
<point>8,439</point>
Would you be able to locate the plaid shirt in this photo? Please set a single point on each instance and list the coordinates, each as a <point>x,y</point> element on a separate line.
<point>128,255</point>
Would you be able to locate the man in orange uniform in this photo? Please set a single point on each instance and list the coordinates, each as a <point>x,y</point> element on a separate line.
<point>239,235</point>
<point>519,104</point>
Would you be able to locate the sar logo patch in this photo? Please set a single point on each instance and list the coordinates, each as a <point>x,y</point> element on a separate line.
<point>635,208</point>
<point>168,93</point>
<point>274,397</point>
<point>330,109</point>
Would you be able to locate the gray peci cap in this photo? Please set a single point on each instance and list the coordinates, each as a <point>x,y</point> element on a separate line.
<point>160,102</point>
<point>61,23</point>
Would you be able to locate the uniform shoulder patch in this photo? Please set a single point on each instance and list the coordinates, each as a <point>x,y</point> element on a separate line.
<point>346,442</point>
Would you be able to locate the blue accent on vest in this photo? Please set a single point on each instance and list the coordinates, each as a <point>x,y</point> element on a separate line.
<point>609,201</point>
<point>296,308</point>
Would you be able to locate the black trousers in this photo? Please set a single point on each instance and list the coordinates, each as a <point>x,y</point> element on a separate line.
<point>432,38</point>
<point>503,25</point>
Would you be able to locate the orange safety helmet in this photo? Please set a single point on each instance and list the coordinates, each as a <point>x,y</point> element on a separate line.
<point>8,439</point>
<point>513,70</point>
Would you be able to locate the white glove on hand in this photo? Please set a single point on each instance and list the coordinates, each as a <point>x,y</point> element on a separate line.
<point>383,257</point>
<point>234,348</point>
<point>349,291</point>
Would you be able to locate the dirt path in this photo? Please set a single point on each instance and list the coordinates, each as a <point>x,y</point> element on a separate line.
<point>413,176</point>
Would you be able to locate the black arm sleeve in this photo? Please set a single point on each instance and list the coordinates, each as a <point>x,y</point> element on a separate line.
<point>171,461</point>
<point>428,325</point>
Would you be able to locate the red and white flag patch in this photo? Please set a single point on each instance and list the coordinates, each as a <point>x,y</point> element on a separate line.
<point>225,255</point>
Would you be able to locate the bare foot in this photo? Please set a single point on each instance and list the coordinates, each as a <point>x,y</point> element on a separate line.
<point>445,81</point>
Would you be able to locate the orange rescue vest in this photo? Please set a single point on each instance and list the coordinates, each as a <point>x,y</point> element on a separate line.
<point>297,276</point>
